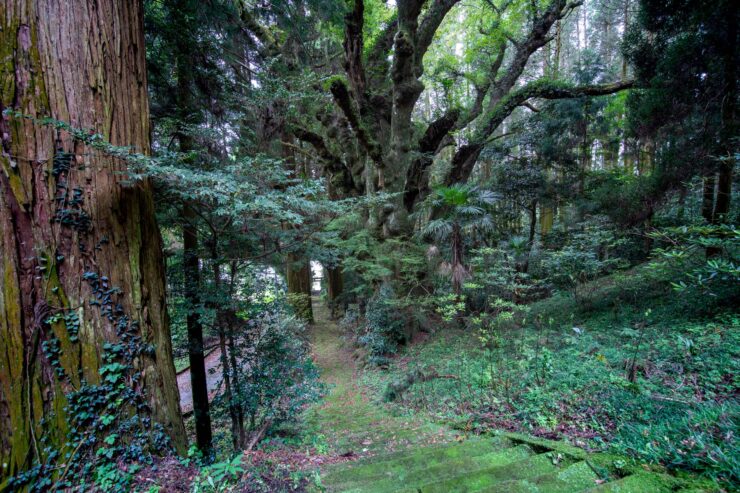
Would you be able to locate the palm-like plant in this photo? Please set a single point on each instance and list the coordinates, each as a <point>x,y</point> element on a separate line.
<point>457,211</point>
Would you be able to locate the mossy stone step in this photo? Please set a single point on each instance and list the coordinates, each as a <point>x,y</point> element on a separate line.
<point>576,477</point>
<point>487,478</point>
<point>468,448</point>
<point>386,477</point>
<point>636,483</point>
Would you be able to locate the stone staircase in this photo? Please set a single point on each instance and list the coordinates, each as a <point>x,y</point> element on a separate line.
<point>506,463</point>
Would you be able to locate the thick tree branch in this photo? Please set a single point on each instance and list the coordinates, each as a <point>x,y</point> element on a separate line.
<point>353,48</point>
<point>317,142</point>
<point>436,131</point>
<point>466,156</point>
<point>340,177</point>
<point>428,26</point>
<point>537,38</point>
<point>270,47</point>
<point>434,136</point>
<point>343,99</point>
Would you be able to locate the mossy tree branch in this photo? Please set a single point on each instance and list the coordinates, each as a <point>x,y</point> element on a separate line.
<point>466,156</point>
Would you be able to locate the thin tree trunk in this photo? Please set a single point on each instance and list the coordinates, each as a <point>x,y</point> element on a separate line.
<point>235,383</point>
<point>196,356</point>
<point>532,233</point>
<point>457,260</point>
<point>227,370</point>
<point>626,15</point>
<point>728,132</point>
<point>191,262</point>
<point>81,62</point>
<point>558,48</point>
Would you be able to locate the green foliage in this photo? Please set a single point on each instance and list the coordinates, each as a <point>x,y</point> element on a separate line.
<point>497,274</point>
<point>384,326</point>
<point>698,440</point>
<point>584,258</point>
<point>219,477</point>
<point>682,258</point>
<point>274,378</point>
<point>555,375</point>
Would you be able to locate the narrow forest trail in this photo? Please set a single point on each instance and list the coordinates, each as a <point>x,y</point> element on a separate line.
<point>415,455</point>
<point>349,419</point>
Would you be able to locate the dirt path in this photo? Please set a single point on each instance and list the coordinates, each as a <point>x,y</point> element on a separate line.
<point>213,378</point>
<point>352,422</point>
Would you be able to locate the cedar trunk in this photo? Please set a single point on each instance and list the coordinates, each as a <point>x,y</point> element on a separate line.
<point>82,62</point>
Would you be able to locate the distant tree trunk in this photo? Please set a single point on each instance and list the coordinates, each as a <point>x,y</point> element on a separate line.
<point>626,23</point>
<point>334,287</point>
<point>728,132</point>
<point>558,48</point>
<point>458,267</point>
<point>707,204</point>
<point>532,234</point>
<point>547,216</point>
<point>82,62</point>
<point>298,278</point>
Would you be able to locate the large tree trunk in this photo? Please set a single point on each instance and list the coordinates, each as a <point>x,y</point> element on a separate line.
<point>82,62</point>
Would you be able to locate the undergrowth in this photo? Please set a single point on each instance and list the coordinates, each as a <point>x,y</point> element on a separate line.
<point>655,378</point>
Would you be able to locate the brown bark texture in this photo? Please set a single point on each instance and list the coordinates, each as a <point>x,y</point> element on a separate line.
<point>81,62</point>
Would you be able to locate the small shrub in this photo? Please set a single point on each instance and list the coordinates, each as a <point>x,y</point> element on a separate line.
<point>384,328</point>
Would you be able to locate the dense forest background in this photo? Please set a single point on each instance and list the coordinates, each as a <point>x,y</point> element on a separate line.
<point>521,216</point>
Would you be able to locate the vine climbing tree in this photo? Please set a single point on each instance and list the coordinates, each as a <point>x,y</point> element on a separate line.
<point>84,332</point>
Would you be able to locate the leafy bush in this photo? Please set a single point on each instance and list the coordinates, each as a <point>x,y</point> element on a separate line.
<point>498,273</point>
<point>384,327</point>
<point>701,261</point>
<point>584,258</point>
<point>275,378</point>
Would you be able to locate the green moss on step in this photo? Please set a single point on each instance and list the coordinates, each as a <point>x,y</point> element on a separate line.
<point>487,478</point>
<point>421,469</point>
<point>637,483</point>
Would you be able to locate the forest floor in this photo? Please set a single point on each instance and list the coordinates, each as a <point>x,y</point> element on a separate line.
<point>349,419</point>
<point>373,448</point>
